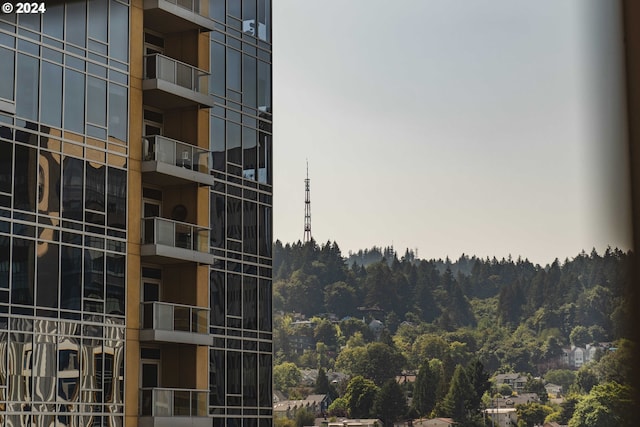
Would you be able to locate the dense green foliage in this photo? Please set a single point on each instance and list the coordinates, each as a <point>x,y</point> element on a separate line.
<point>453,323</point>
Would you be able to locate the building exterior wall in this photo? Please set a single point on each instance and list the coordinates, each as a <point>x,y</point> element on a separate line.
<point>77,280</point>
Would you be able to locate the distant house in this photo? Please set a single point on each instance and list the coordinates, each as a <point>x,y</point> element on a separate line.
<point>553,389</point>
<point>517,382</point>
<point>317,404</point>
<point>575,357</point>
<point>502,417</point>
<point>434,422</point>
<point>376,327</point>
<point>374,422</point>
<point>512,401</point>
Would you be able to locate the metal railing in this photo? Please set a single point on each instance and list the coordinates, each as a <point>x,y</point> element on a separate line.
<point>173,402</point>
<point>174,317</point>
<point>162,231</point>
<point>157,66</point>
<point>173,152</point>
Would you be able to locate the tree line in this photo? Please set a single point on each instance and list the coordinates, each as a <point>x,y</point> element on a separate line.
<point>452,323</point>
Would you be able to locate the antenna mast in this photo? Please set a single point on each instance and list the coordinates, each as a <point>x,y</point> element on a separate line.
<point>307,208</point>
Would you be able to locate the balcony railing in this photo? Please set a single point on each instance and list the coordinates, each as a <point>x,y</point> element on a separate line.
<point>167,232</point>
<point>172,152</point>
<point>157,66</point>
<point>190,5</point>
<point>175,317</point>
<point>176,16</point>
<point>173,402</point>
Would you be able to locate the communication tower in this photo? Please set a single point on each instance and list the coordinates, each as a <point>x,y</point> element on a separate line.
<point>307,209</point>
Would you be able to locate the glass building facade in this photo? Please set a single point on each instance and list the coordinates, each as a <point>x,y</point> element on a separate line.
<point>136,214</point>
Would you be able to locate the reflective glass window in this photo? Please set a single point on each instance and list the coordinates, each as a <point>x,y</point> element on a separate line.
<point>233,69</point>
<point>71,277</point>
<point>119,31</point>
<point>250,227</point>
<point>5,251</point>
<point>218,68</point>
<point>7,63</point>
<point>76,24</point>
<point>234,295</point>
<point>249,88</point>
<point>72,188</point>
<point>49,183</point>
<point>23,271</point>
<point>97,105</point>
<point>116,198</point>
<point>217,296</point>
<point>250,379</point>
<point>93,274</point>
<point>53,20</point>
<point>217,215</point>
<point>47,289</point>
<point>234,372</point>
<point>27,81</point>
<point>217,143</point>
<point>98,19</point>
<point>118,112</point>
<point>24,181</point>
<point>250,302</point>
<point>217,372</point>
<point>218,10</point>
<point>264,86</point>
<point>234,143</point>
<point>264,305</point>
<point>234,8</point>
<point>74,100</point>
<point>265,236</point>
<point>51,98</point>
<point>115,265</point>
<point>264,375</point>
<point>249,152</point>
<point>95,187</point>
<point>234,218</point>
<point>30,21</point>
<point>264,18</point>
<point>6,166</point>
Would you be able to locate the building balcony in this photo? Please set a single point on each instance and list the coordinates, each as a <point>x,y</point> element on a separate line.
<point>174,323</point>
<point>171,242</point>
<point>176,15</point>
<point>173,407</point>
<point>166,161</point>
<point>169,83</point>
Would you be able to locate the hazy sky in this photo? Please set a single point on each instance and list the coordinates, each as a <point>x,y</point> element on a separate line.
<point>485,127</point>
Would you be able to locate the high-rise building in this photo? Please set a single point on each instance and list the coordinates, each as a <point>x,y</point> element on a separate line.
<point>135,214</point>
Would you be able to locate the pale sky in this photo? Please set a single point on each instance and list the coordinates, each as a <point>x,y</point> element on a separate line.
<point>484,127</point>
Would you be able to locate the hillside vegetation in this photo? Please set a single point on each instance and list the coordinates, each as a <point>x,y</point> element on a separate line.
<point>376,314</point>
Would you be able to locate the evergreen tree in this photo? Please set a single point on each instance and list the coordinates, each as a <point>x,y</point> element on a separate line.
<point>479,380</point>
<point>390,403</point>
<point>322,382</point>
<point>457,403</point>
<point>424,390</point>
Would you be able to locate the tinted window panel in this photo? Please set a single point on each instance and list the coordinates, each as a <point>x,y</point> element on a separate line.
<point>47,290</point>
<point>217,219</point>
<point>6,166</point>
<point>118,112</point>
<point>74,101</point>
<point>27,87</point>
<point>51,111</point>
<point>25,178</point>
<point>23,271</point>
<point>233,70</point>
<point>217,296</point>
<point>72,188</point>
<point>76,25</point>
<point>71,277</point>
<point>117,198</point>
<point>7,58</point>
<point>97,105</point>
<point>98,18</point>
<point>115,284</point>
<point>53,20</point>
<point>119,31</point>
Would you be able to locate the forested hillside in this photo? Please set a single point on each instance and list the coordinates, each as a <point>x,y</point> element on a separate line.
<point>375,314</point>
